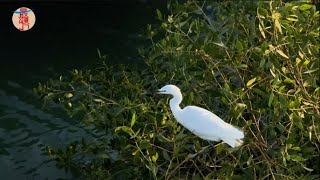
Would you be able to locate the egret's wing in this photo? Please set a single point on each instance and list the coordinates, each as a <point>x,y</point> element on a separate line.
<point>207,125</point>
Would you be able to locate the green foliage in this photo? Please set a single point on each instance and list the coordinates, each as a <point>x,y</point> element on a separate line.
<point>255,65</point>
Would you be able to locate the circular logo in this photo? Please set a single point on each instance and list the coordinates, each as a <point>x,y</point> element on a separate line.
<point>23,19</point>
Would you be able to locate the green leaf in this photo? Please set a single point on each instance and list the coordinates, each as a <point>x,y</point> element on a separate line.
<point>241,105</point>
<point>126,129</point>
<point>281,127</point>
<point>221,44</point>
<point>181,135</point>
<point>220,148</point>
<point>270,99</point>
<point>297,158</point>
<point>262,62</point>
<point>152,168</point>
<point>292,19</point>
<point>242,66</point>
<point>258,91</point>
<point>144,144</point>
<point>226,87</point>
<point>251,81</point>
<point>249,160</point>
<point>179,48</point>
<point>296,120</point>
<point>165,155</point>
<point>296,103</point>
<point>281,88</point>
<point>155,157</point>
<point>161,138</point>
<point>133,119</point>
<point>159,14</point>
<point>289,81</point>
<point>181,24</point>
<point>283,101</point>
<point>249,122</point>
<point>296,148</point>
<point>103,156</point>
<point>98,100</point>
<point>68,95</point>
<point>304,7</point>
<point>239,46</point>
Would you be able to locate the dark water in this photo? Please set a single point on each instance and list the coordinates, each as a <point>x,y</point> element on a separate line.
<point>65,36</point>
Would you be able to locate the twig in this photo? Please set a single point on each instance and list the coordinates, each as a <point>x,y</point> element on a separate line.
<point>191,156</point>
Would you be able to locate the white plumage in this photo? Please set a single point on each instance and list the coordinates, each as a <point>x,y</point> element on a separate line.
<point>202,122</point>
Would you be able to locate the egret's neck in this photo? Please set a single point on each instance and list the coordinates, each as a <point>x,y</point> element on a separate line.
<point>174,104</point>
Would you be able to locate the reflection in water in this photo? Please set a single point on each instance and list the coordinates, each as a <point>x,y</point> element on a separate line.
<point>25,130</point>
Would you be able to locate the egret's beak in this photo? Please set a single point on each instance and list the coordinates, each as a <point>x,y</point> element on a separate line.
<point>159,91</point>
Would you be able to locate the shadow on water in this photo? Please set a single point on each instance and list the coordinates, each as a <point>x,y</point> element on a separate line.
<point>59,42</point>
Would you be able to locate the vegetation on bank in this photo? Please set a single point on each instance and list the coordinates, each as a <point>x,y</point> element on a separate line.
<point>255,64</point>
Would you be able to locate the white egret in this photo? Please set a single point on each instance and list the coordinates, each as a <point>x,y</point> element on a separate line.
<point>202,122</point>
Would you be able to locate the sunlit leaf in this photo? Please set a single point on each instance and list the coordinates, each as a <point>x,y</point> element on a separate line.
<point>282,53</point>
<point>251,81</point>
<point>69,95</point>
<point>272,73</point>
<point>296,148</point>
<point>262,31</point>
<point>221,44</point>
<point>155,157</point>
<point>306,62</point>
<point>278,25</point>
<point>301,54</point>
<point>308,169</point>
<point>133,119</point>
<point>288,80</point>
<point>98,100</point>
<point>304,7</point>
<point>291,19</point>
<point>126,129</point>
<point>170,18</point>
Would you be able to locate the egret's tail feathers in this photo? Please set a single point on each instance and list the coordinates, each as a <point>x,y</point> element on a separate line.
<point>233,142</point>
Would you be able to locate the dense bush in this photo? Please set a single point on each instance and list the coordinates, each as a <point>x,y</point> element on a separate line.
<point>255,64</point>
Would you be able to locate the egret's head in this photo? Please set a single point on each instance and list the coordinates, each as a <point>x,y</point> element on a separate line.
<point>169,89</point>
